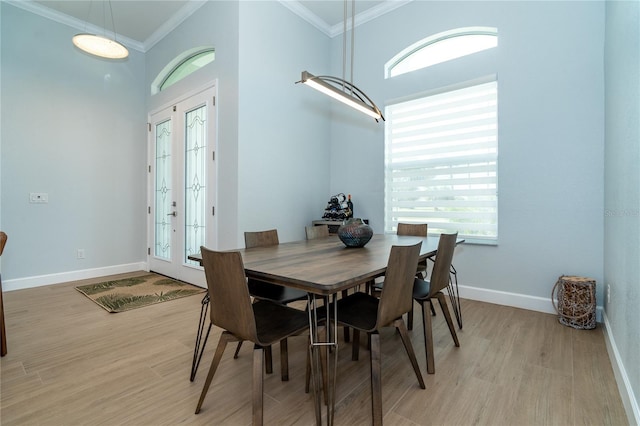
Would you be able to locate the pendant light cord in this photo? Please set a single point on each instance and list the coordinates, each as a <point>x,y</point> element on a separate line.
<point>353,34</point>
<point>344,43</point>
<point>113,23</point>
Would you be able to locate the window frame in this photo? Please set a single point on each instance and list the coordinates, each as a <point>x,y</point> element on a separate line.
<point>390,206</point>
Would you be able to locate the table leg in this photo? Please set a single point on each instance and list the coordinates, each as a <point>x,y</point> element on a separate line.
<point>321,340</point>
<point>454,295</point>
<point>197,350</point>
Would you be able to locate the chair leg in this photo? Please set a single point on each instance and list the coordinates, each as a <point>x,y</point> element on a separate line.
<point>268,357</point>
<point>284,360</point>
<point>404,335</point>
<point>433,310</point>
<point>410,317</point>
<point>3,330</point>
<point>267,354</point>
<point>355,345</point>
<point>376,380</point>
<point>258,390</point>
<point>222,344</point>
<point>345,329</point>
<point>235,354</point>
<point>447,316</point>
<point>428,337</point>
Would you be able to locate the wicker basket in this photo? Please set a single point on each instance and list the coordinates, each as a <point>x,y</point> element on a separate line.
<point>576,301</point>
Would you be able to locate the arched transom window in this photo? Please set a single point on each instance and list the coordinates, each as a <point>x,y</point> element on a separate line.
<point>181,66</point>
<point>442,47</point>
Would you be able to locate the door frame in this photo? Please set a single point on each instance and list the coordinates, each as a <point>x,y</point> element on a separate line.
<point>190,273</point>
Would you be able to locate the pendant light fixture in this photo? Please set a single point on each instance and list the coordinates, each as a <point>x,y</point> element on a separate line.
<point>101,46</point>
<point>339,88</point>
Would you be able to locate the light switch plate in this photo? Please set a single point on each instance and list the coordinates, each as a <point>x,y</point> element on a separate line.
<point>38,197</point>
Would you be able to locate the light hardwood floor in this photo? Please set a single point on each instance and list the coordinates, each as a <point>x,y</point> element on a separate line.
<point>72,363</point>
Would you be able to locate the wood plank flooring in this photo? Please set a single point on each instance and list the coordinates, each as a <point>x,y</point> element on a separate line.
<point>72,363</point>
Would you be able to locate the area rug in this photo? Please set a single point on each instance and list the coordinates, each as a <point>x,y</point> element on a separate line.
<point>136,292</point>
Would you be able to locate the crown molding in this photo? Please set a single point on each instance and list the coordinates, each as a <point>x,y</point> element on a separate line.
<point>39,9</point>
<point>171,24</point>
<point>297,8</point>
<point>368,15</point>
<point>78,24</point>
<point>337,29</point>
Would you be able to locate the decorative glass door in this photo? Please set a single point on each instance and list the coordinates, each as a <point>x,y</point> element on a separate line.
<point>182,183</point>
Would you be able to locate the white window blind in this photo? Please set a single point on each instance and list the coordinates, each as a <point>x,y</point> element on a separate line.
<point>441,156</point>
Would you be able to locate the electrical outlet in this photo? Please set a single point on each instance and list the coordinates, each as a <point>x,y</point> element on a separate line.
<point>80,253</point>
<point>608,293</point>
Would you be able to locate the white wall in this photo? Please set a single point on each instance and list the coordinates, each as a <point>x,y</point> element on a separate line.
<point>72,127</point>
<point>551,135</point>
<point>622,196</point>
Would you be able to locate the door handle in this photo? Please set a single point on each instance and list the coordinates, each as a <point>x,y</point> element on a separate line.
<point>174,214</point>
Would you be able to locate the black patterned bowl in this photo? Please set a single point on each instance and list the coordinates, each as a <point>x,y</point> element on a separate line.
<point>355,233</point>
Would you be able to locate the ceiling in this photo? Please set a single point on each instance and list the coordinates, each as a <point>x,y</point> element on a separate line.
<point>140,24</point>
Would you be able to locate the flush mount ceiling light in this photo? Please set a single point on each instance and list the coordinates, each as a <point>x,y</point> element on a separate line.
<point>339,88</point>
<point>101,45</point>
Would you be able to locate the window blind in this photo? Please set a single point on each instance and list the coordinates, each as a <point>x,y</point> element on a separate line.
<point>441,156</point>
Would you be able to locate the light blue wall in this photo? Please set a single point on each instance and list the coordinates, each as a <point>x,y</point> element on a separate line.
<point>214,24</point>
<point>622,188</point>
<point>549,64</point>
<point>283,127</point>
<point>272,152</point>
<point>72,127</point>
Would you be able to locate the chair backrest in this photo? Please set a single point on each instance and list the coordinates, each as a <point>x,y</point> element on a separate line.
<point>412,229</point>
<point>3,241</point>
<point>230,301</point>
<point>314,232</point>
<point>442,265</point>
<point>397,292</point>
<point>261,238</point>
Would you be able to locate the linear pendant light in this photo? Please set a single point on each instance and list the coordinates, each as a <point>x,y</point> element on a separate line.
<point>101,46</point>
<point>353,97</point>
<point>339,88</point>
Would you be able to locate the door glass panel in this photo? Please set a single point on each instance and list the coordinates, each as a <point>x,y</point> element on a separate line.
<point>195,179</point>
<point>163,207</point>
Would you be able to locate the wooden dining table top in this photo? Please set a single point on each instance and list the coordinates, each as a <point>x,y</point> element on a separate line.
<point>325,266</point>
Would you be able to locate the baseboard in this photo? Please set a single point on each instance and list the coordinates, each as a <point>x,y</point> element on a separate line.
<point>532,303</point>
<point>622,378</point>
<point>41,280</point>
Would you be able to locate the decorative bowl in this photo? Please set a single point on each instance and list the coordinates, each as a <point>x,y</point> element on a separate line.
<point>355,233</point>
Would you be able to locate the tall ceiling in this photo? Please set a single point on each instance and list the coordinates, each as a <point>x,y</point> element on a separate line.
<point>142,23</point>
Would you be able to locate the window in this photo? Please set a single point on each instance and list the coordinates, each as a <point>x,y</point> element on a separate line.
<point>441,156</point>
<point>183,65</point>
<point>442,47</point>
<point>186,67</point>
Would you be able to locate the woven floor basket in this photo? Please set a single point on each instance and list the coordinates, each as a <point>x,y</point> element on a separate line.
<point>576,301</point>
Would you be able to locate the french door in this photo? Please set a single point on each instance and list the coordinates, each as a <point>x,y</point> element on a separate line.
<point>182,186</point>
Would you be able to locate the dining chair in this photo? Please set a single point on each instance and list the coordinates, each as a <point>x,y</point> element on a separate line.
<point>261,290</point>
<point>424,291</point>
<point>413,230</point>
<point>3,331</point>
<point>263,322</point>
<point>318,231</point>
<point>367,313</point>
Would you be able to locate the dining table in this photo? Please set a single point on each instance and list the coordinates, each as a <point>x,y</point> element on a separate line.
<point>324,268</point>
